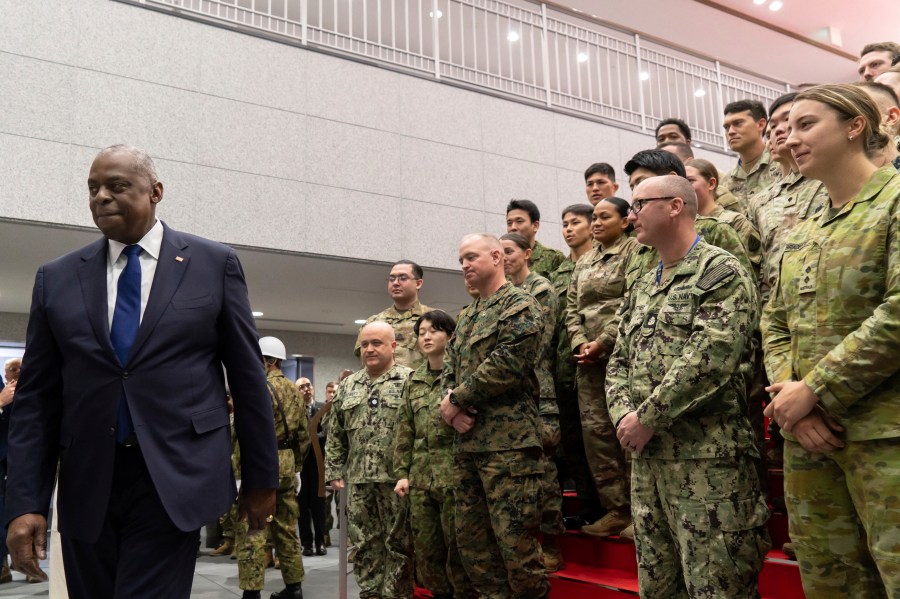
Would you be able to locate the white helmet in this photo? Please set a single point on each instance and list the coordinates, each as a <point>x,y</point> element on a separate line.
<point>272,347</point>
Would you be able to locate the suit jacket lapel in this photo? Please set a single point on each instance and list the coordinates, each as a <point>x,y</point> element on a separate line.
<point>92,276</point>
<point>169,273</point>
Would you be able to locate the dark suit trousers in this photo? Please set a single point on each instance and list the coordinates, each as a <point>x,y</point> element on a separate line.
<point>140,553</point>
<point>312,507</point>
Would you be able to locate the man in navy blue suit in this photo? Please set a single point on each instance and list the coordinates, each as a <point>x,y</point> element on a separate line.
<point>123,388</point>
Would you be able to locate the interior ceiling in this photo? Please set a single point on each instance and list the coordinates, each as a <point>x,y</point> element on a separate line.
<point>294,292</point>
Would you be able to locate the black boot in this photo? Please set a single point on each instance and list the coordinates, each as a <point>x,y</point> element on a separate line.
<point>251,595</point>
<point>291,591</point>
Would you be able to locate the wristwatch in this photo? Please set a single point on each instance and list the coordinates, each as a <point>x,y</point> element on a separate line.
<point>453,399</point>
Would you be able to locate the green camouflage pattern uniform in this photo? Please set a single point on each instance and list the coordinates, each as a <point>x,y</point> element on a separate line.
<point>680,363</point>
<point>293,444</point>
<point>544,260</point>
<point>744,185</point>
<point>423,453</point>
<point>489,364</point>
<point>542,290</point>
<point>746,231</point>
<point>402,321</point>
<point>592,304</point>
<point>574,460</point>
<point>360,450</point>
<point>774,213</point>
<point>833,321</point>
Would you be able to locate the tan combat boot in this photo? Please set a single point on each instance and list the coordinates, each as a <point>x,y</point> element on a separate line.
<point>5,574</point>
<point>553,559</point>
<point>613,523</point>
<point>225,548</point>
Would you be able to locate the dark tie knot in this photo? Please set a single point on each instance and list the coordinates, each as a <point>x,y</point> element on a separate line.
<point>132,250</point>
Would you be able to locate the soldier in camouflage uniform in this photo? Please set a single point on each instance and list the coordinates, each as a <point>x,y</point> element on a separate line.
<point>293,442</point>
<point>676,390</point>
<point>832,337</point>
<point>524,218</point>
<point>404,283</point>
<point>576,225</point>
<point>360,442</point>
<point>489,367</point>
<point>592,303</point>
<point>745,122</point>
<point>515,264</point>
<point>423,463</point>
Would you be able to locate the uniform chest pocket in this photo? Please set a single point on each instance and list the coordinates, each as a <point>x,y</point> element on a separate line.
<point>353,411</point>
<point>673,328</point>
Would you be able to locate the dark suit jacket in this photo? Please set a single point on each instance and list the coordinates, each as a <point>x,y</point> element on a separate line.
<point>197,319</point>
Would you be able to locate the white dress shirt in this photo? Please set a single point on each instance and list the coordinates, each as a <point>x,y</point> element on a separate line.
<point>151,244</point>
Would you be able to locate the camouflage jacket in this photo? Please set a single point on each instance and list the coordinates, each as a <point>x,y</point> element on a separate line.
<point>833,319</point>
<point>544,260</point>
<point>744,185</point>
<point>683,357</point>
<point>745,230</point>
<point>774,213</point>
<point>489,364</point>
<point>294,442</point>
<point>542,290</point>
<point>407,352</point>
<point>596,293</point>
<point>423,443</point>
<point>563,362</point>
<point>364,415</point>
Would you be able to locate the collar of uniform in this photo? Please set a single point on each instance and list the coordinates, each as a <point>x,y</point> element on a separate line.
<point>416,309</point>
<point>717,212</point>
<point>762,163</point>
<point>150,243</point>
<point>423,374</point>
<point>485,303</point>
<point>274,374</point>
<point>394,372</point>
<point>687,266</point>
<point>869,191</point>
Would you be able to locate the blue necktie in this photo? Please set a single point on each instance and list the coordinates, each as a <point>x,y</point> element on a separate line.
<point>125,323</point>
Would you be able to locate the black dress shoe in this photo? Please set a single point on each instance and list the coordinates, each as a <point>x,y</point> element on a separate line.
<point>320,550</point>
<point>251,595</point>
<point>307,551</point>
<point>291,591</point>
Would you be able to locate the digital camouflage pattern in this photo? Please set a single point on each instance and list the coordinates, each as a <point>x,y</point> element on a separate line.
<point>251,548</point>
<point>383,562</point>
<point>744,185</point>
<point>402,321</point>
<point>551,494</point>
<point>544,260</point>
<point>290,460</point>
<point>563,362</point>
<point>833,320</point>
<point>683,355</point>
<point>438,565</point>
<point>844,520</point>
<point>542,290</point>
<point>746,232</point>
<point>489,363</point>
<point>775,212</point>
<point>705,536</point>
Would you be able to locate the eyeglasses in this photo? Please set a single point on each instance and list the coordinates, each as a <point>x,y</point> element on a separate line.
<point>305,386</point>
<point>399,278</point>
<point>638,205</point>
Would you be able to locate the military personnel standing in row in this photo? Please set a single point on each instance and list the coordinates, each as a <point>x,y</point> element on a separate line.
<point>576,230</point>
<point>489,368</point>
<point>516,255</point>
<point>832,338</point>
<point>360,442</point>
<point>676,392</point>
<point>403,283</point>
<point>675,132</point>
<point>745,123</point>
<point>423,464</point>
<point>524,218</point>
<point>293,442</point>
<point>600,182</point>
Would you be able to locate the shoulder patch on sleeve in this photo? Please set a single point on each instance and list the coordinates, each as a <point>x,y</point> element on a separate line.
<point>714,276</point>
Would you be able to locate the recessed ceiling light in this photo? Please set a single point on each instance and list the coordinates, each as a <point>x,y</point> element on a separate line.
<point>361,321</point>
<point>776,5</point>
<point>582,57</point>
<point>699,93</point>
<point>439,14</point>
<point>257,314</point>
<point>759,2</point>
<point>644,76</point>
<point>513,36</point>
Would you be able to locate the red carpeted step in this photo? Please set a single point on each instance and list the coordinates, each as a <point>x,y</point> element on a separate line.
<point>778,529</point>
<point>611,553</point>
<point>592,581</point>
<point>780,578</point>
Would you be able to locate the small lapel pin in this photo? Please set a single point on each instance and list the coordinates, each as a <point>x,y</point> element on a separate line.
<point>179,259</point>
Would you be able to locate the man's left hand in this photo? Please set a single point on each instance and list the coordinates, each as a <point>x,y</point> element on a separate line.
<point>448,410</point>
<point>632,434</point>
<point>793,400</point>
<point>256,506</point>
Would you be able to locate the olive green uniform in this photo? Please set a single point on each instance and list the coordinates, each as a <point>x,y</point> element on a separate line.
<point>544,260</point>
<point>489,364</point>
<point>743,185</point>
<point>592,304</point>
<point>833,321</point>
<point>402,321</point>
<point>360,450</point>
<point>746,231</point>
<point>683,350</point>
<point>293,443</point>
<point>423,453</point>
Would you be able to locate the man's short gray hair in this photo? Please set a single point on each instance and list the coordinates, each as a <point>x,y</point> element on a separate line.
<point>142,161</point>
<point>12,361</point>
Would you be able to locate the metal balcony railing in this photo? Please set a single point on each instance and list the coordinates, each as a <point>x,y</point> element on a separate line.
<point>529,51</point>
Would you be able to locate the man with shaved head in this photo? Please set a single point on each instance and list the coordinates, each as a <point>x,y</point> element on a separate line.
<point>676,392</point>
<point>491,401</point>
<point>359,458</point>
<point>889,106</point>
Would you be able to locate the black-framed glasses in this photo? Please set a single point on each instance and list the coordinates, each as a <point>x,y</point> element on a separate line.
<point>400,278</point>
<point>638,205</point>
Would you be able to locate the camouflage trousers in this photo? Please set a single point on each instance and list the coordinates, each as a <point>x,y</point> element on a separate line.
<point>379,527</point>
<point>227,520</point>
<point>498,518</point>
<point>605,456</point>
<point>438,566</point>
<point>844,518</point>
<point>574,463</point>
<point>551,495</point>
<point>250,549</point>
<point>700,528</point>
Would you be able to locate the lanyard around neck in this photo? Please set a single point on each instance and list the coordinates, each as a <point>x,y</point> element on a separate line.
<point>659,268</point>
